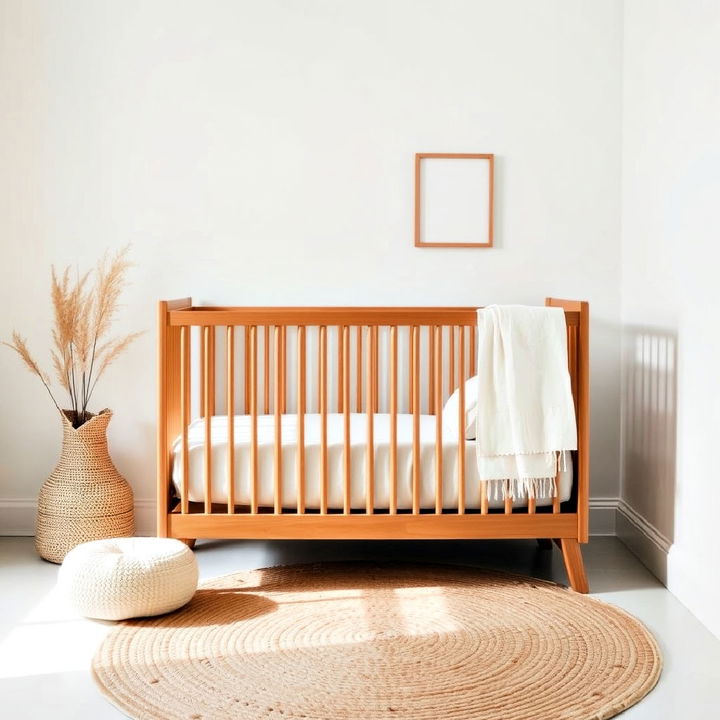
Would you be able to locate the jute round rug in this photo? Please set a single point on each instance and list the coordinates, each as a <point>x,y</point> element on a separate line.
<point>345,641</point>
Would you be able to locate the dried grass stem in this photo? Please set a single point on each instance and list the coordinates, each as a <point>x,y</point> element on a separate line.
<point>83,317</point>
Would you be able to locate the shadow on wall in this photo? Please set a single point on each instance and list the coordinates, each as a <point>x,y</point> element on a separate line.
<point>649,430</point>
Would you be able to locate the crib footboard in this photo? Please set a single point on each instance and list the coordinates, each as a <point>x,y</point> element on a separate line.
<point>242,389</point>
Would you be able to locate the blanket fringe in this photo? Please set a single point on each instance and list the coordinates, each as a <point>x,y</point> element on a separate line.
<point>521,488</point>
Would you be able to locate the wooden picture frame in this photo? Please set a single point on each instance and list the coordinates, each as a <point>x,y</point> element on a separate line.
<point>445,211</point>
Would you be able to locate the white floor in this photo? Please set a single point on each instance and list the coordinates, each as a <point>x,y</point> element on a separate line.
<point>45,649</point>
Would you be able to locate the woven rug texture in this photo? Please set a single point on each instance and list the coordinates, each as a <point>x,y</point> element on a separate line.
<point>343,641</point>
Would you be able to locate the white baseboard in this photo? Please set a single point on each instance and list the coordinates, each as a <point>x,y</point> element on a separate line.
<point>17,516</point>
<point>603,512</point>
<point>145,517</point>
<point>644,540</point>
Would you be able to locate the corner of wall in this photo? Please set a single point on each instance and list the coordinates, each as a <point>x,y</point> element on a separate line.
<point>643,539</point>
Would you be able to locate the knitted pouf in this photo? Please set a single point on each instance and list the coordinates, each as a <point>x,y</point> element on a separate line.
<point>122,578</point>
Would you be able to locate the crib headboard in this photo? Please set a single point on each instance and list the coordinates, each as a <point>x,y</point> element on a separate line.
<point>277,360</point>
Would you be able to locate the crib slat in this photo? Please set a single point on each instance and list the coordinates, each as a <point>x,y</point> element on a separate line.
<point>283,368</point>
<point>230,411</point>
<point>207,333</point>
<point>266,373</point>
<point>415,378</point>
<point>359,373</point>
<point>375,369</point>
<point>254,420</point>
<point>532,504</point>
<point>207,369</point>
<point>431,370</point>
<point>461,421</point>
<point>203,362</point>
<point>411,368</point>
<point>437,332</point>
<point>211,372</point>
<point>483,497</point>
<point>393,419</point>
<point>473,360</point>
<point>340,368</point>
<point>319,371</point>
<point>370,401</point>
<point>278,421</point>
<point>185,412</point>
<point>300,454</point>
<point>508,499</point>
<point>322,363</point>
<point>245,367</point>
<point>451,360</point>
<point>344,401</point>
<point>556,496</point>
<point>467,365</point>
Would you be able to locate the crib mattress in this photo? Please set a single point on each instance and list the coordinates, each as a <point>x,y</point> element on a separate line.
<point>313,457</point>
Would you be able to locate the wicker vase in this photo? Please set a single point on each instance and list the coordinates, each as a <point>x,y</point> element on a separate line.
<point>85,498</point>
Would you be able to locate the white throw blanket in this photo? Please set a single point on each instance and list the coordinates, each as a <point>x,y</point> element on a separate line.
<point>525,414</point>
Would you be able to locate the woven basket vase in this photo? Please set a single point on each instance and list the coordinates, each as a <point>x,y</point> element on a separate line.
<point>85,498</point>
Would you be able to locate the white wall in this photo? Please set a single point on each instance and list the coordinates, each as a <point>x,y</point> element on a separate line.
<point>670,299</point>
<point>262,153</point>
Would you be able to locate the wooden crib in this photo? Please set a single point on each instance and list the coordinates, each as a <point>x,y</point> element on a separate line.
<point>278,363</point>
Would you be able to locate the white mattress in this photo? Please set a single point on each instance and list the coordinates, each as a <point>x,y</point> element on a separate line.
<point>335,438</point>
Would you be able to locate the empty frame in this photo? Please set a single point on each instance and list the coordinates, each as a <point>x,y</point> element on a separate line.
<point>453,200</point>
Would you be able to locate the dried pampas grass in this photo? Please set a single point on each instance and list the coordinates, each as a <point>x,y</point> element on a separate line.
<point>83,317</point>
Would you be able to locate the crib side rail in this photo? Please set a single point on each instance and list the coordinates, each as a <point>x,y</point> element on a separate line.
<point>328,316</point>
<point>259,361</point>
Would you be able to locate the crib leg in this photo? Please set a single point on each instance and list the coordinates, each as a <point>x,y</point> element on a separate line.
<point>190,542</point>
<point>574,565</point>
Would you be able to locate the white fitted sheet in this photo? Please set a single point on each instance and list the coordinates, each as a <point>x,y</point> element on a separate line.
<point>313,456</point>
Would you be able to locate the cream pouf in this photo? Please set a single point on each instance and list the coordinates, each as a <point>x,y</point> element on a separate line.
<point>122,578</point>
